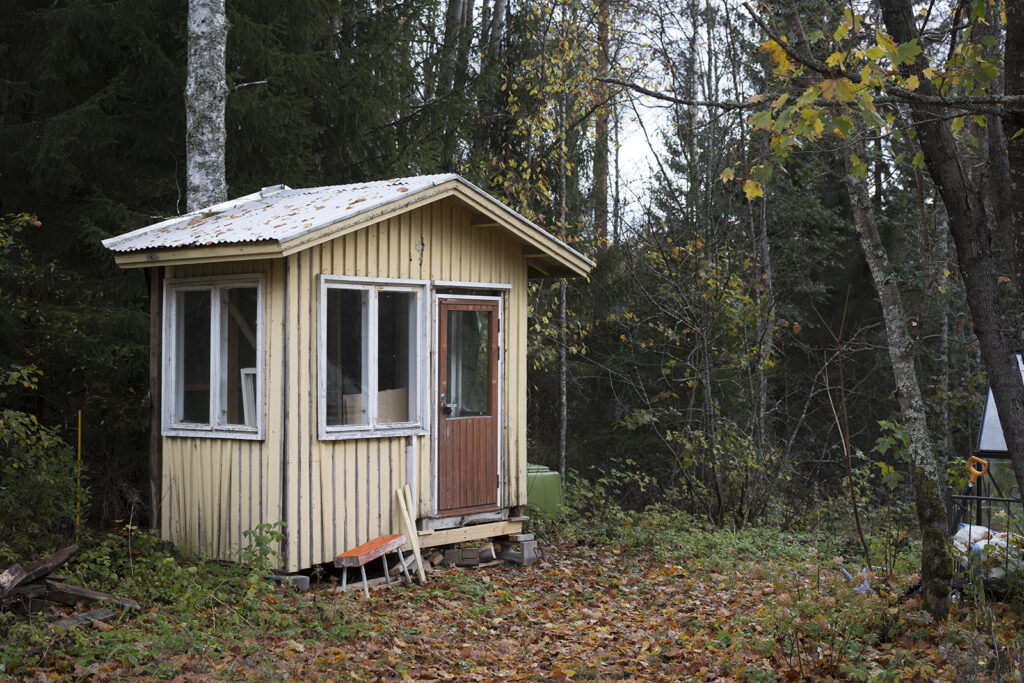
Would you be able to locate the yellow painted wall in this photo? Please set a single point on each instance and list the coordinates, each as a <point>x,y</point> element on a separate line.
<point>334,495</point>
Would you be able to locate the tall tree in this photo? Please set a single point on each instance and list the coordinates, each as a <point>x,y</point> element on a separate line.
<point>936,564</point>
<point>976,243</point>
<point>206,92</point>
<point>599,193</point>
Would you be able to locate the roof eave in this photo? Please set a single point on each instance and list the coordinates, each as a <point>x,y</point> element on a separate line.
<point>146,258</point>
<point>546,255</point>
<point>563,260</point>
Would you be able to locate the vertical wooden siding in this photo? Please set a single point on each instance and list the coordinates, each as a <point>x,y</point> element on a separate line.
<point>216,489</point>
<point>334,495</point>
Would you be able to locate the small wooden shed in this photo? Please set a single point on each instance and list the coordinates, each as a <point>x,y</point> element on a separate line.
<point>316,349</point>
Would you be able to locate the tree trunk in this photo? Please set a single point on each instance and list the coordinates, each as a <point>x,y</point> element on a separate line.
<point>206,92</point>
<point>600,188</point>
<point>972,235</point>
<point>1013,84</point>
<point>936,564</point>
<point>563,380</point>
<point>450,51</point>
<point>563,362</point>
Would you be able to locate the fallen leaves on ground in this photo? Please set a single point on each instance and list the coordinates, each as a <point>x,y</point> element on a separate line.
<point>595,614</point>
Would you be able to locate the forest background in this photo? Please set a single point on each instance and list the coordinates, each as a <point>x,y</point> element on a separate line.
<point>728,356</point>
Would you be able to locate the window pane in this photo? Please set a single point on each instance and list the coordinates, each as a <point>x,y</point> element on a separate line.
<point>192,404</point>
<point>469,362</point>
<point>396,357</point>
<point>238,356</point>
<point>346,356</point>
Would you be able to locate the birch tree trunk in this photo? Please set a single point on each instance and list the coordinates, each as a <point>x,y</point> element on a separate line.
<point>205,95</point>
<point>936,564</point>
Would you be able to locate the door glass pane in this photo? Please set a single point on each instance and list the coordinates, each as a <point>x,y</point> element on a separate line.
<point>396,356</point>
<point>346,356</point>
<point>469,363</point>
<point>192,403</point>
<point>238,356</point>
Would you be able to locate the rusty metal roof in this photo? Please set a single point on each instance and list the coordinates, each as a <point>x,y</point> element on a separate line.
<point>276,214</point>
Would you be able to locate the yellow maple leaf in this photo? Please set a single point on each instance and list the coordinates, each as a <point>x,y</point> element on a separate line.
<point>777,55</point>
<point>912,83</point>
<point>828,89</point>
<point>836,59</point>
<point>845,89</point>
<point>727,175</point>
<point>884,41</point>
<point>752,189</point>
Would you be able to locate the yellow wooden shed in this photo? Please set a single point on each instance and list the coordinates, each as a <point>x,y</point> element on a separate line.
<point>313,350</point>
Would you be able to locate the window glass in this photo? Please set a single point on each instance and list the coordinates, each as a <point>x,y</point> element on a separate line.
<point>238,311</point>
<point>346,379</point>
<point>469,366</point>
<point>396,356</point>
<point>192,403</point>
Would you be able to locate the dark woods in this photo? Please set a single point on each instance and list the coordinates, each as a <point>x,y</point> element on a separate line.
<point>727,357</point>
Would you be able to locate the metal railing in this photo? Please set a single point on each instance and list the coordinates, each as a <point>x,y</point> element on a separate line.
<point>999,514</point>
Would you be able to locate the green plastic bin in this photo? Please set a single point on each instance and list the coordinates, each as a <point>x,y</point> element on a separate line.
<point>544,489</point>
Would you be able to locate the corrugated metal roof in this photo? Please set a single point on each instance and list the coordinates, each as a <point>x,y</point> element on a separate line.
<point>276,213</point>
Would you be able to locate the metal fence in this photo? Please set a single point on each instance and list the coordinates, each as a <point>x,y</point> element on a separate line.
<point>998,514</point>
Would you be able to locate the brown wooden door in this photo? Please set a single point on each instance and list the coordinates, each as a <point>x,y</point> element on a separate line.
<point>467,440</point>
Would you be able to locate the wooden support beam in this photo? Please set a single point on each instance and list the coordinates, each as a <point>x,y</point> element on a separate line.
<point>156,326</point>
<point>469,533</point>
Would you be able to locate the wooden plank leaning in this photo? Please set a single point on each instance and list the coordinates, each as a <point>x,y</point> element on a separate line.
<point>45,566</point>
<point>70,595</point>
<point>10,578</point>
<point>405,506</point>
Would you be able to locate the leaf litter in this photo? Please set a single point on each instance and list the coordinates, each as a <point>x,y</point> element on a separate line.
<point>596,614</point>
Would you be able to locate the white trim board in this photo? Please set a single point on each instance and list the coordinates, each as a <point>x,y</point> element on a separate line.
<point>171,342</point>
<point>436,384</point>
<point>372,286</point>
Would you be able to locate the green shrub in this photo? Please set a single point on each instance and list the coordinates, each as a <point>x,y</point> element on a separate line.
<point>39,495</point>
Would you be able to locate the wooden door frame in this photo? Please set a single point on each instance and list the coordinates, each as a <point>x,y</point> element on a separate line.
<point>435,384</point>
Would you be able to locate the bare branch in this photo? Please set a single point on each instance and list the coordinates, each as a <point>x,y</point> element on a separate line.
<point>727,105</point>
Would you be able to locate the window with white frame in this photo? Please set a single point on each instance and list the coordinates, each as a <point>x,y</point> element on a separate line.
<point>213,357</point>
<point>371,356</point>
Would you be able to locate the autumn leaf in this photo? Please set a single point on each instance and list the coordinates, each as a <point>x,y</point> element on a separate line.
<point>753,189</point>
<point>761,120</point>
<point>727,175</point>
<point>907,52</point>
<point>841,89</point>
<point>857,167</point>
<point>885,42</point>
<point>777,54</point>
<point>912,83</point>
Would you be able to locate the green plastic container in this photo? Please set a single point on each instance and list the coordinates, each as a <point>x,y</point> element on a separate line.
<point>544,489</point>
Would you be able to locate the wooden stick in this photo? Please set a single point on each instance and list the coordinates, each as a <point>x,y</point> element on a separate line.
<point>410,529</point>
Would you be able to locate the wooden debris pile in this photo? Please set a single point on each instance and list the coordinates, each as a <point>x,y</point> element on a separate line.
<point>36,588</point>
<point>508,550</point>
<point>519,549</point>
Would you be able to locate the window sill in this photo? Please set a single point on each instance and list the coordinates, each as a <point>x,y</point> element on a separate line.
<point>378,433</point>
<point>210,433</point>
